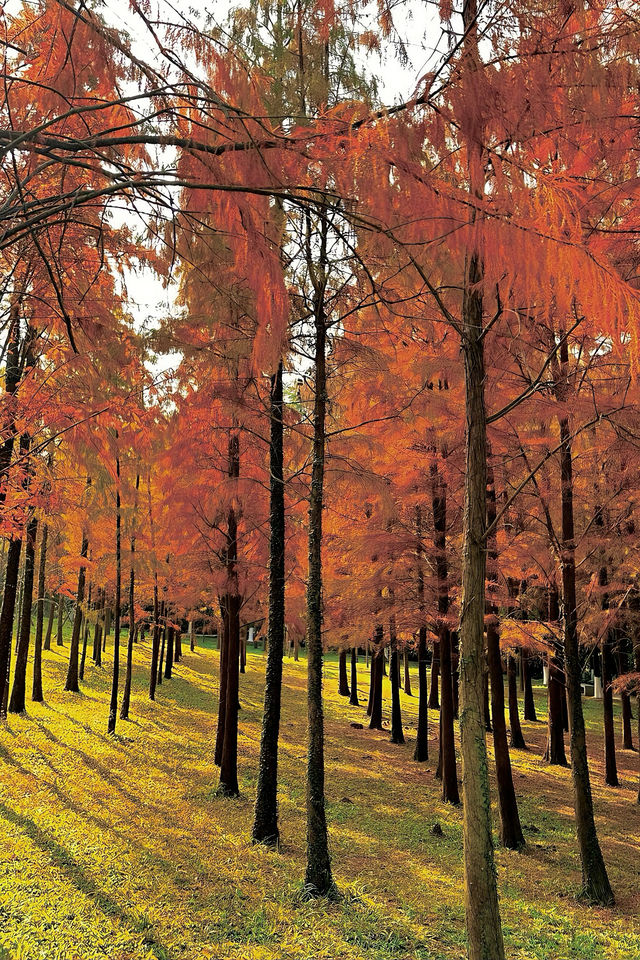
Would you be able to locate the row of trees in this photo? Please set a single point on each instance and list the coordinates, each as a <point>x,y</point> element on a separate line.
<point>404,407</point>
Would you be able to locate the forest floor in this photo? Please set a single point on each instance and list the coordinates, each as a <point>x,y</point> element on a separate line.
<point>118,846</point>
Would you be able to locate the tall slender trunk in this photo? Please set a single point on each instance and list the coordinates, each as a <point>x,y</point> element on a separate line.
<point>155,640</point>
<point>434,702</point>
<point>353,696</point>
<point>113,706</point>
<point>126,695</point>
<point>595,882</point>
<point>265,822</point>
<point>18,691</point>
<point>168,662</point>
<point>60,624</point>
<point>625,699</point>
<point>7,614</point>
<point>228,785</point>
<point>375,723</point>
<point>511,834</point>
<point>610,766</point>
<point>52,611</point>
<point>421,752</point>
<point>343,680</point>
<point>318,876</point>
<point>485,699</point>
<point>516,737</point>
<point>554,752</point>
<point>163,641</point>
<point>407,675</point>
<point>85,636</point>
<point>97,633</point>
<point>447,766</point>
<point>223,640</point>
<point>484,930</point>
<point>371,680</point>
<point>74,649</point>
<point>529,702</point>
<point>397,734</point>
<point>36,690</point>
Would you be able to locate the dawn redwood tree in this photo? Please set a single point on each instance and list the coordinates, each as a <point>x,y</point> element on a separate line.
<point>555,751</point>
<point>343,679</point>
<point>511,834</point>
<point>353,696</point>
<point>421,752</point>
<point>113,704</point>
<point>71,683</point>
<point>447,764</point>
<point>36,694</point>
<point>17,700</point>
<point>126,694</point>
<point>595,881</point>
<point>265,822</point>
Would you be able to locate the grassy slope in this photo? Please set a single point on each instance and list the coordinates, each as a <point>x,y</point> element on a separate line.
<point>118,847</point>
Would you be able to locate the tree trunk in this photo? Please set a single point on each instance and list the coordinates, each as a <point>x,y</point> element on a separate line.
<point>447,765</point>
<point>421,752</point>
<point>85,636</point>
<point>228,784</point>
<point>113,706</point>
<point>516,739</point>
<point>610,765</point>
<point>74,648</point>
<point>407,676</point>
<point>163,642</point>
<point>318,877</point>
<point>168,662</point>
<point>343,682</point>
<point>529,703</point>
<point>52,611</point>
<point>397,735</point>
<point>155,636</point>
<point>7,614</point>
<point>555,753</point>
<point>484,931</point>
<point>375,722</point>
<point>450,793</point>
<point>59,641</point>
<point>353,698</point>
<point>223,638</point>
<point>265,822</point>
<point>511,835</point>
<point>372,682</point>
<point>18,692</point>
<point>595,882</point>
<point>434,702</point>
<point>126,695</point>
<point>485,701</point>
<point>36,690</point>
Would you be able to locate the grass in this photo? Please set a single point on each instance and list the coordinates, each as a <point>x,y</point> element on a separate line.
<point>118,846</point>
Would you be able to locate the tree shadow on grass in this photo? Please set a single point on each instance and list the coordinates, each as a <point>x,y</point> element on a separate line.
<point>62,859</point>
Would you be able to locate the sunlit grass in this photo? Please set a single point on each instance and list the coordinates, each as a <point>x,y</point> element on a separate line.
<point>119,847</point>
